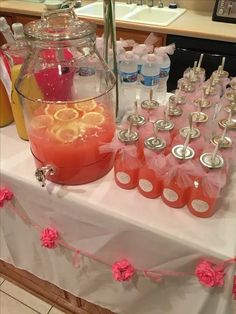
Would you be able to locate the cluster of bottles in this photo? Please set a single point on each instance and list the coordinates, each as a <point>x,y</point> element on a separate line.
<point>12,56</point>
<point>182,151</point>
<point>141,68</point>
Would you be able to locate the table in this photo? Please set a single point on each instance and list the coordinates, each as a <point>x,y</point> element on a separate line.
<point>112,223</point>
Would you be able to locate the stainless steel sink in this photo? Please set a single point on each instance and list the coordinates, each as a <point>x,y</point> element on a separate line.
<point>133,13</point>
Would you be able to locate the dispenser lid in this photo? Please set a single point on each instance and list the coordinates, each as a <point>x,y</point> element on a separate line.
<point>59,25</point>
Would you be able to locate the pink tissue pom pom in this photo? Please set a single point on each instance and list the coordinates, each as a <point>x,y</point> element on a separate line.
<point>48,238</point>
<point>210,275</point>
<point>234,288</point>
<point>5,195</point>
<point>122,270</point>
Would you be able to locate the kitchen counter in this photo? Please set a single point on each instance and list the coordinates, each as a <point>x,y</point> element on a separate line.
<point>191,23</point>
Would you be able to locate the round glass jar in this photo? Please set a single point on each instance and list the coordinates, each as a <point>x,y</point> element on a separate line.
<point>71,113</point>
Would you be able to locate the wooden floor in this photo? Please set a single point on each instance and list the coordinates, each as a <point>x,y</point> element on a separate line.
<point>53,296</point>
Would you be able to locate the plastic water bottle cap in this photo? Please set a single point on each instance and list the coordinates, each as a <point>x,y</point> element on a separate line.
<point>18,30</point>
<point>3,24</point>
<point>129,55</point>
<point>151,57</point>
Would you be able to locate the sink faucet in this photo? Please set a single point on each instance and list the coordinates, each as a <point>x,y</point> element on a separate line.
<point>150,3</point>
<point>139,2</point>
<point>160,4</point>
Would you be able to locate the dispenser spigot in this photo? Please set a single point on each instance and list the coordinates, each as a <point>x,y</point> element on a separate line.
<point>42,173</point>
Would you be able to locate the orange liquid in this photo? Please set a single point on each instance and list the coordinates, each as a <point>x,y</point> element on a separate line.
<point>72,151</point>
<point>6,116</point>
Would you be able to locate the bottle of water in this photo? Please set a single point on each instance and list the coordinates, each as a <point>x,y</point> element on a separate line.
<point>128,82</point>
<point>150,75</point>
<point>140,51</point>
<point>164,63</point>
<point>128,69</point>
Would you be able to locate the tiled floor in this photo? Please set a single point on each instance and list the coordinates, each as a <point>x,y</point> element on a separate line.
<point>14,300</point>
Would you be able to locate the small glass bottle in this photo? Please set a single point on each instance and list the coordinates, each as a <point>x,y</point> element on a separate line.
<point>150,182</point>
<point>176,194</point>
<point>206,188</point>
<point>127,162</point>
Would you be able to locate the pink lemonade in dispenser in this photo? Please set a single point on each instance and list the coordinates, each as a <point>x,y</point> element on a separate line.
<point>72,112</point>
<point>69,138</point>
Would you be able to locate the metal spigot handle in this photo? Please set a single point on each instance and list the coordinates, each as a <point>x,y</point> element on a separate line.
<point>42,173</point>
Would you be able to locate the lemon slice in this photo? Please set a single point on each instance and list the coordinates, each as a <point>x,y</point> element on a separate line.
<point>53,108</point>
<point>69,132</point>
<point>66,114</point>
<point>93,119</point>
<point>99,109</point>
<point>42,121</point>
<point>86,106</point>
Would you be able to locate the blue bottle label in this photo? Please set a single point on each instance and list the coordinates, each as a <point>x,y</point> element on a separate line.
<point>164,72</point>
<point>128,77</point>
<point>149,80</point>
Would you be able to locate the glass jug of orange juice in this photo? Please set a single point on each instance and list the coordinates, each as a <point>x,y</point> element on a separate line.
<point>16,53</point>
<point>6,116</point>
<point>71,114</point>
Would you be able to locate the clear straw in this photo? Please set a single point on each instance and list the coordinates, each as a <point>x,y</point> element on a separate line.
<point>213,158</point>
<point>200,61</point>
<point>186,142</point>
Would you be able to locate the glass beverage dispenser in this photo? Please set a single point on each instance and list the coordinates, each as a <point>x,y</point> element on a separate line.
<point>71,113</point>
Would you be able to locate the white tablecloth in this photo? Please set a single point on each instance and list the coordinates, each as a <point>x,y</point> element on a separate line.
<point>114,224</point>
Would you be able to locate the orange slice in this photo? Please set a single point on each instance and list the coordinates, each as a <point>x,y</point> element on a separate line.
<point>42,121</point>
<point>93,119</point>
<point>66,114</point>
<point>86,106</point>
<point>69,132</point>
<point>53,108</point>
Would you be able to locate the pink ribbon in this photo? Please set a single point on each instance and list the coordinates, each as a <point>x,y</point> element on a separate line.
<point>182,172</point>
<point>155,162</point>
<point>115,145</point>
<point>212,182</point>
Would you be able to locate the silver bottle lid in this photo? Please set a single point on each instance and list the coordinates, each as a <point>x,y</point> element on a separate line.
<point>199,117</point>
<point>137,120</point>
<point>230,124</point>
<point>231,107</point>
<point>149,104</point>
<point>175,111</point>
<point>225,143</point>
<point>210,91</point>
<point>164,125</point>
<point>207,161</point>
<point>128,136</point>
<point>179,152</point>
<point>194,133</point>
<point>155,143</point>
<point>203,103</point>
<point>233,85</point>
<point>180,101</point>
<point>188,87</point>
<point>230,95</point>
<point>222,74</point>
